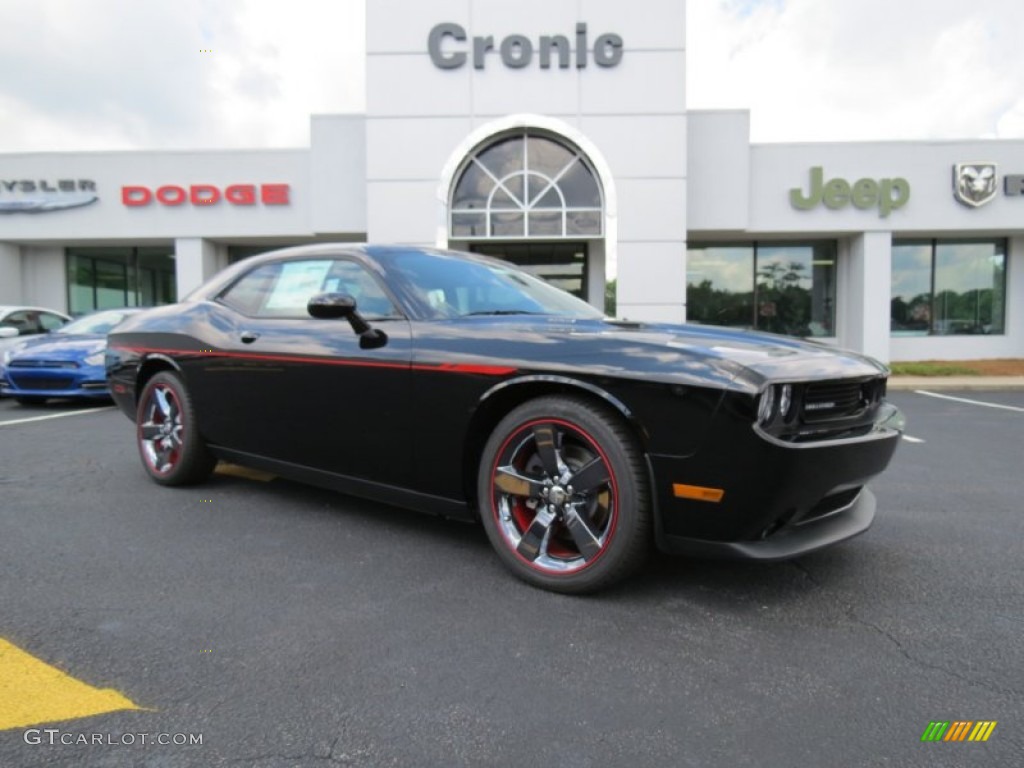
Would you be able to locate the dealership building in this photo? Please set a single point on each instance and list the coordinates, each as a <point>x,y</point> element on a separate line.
<point>556,135</point>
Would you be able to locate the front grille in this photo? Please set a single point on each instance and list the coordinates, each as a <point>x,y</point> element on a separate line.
<point>835,409</point>
<point>65,364</point>
<point>828,400</point>
<point>41,382</point>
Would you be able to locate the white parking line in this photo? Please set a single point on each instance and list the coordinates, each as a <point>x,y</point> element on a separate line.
<point>54,416</point>
<point>910,439</point>
<point>969,402</point>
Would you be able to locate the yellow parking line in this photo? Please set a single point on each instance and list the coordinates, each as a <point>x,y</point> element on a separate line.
<point>33,692</point>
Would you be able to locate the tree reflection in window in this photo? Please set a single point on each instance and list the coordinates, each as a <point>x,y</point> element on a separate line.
<point>780,288</point>
<point>948,287</point>
<point>526,185</point>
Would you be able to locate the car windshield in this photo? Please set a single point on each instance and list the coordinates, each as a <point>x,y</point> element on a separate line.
<point>100,322</point>
<point>449,286</point>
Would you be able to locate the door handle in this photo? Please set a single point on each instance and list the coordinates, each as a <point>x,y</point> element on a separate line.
<point>248,337</point>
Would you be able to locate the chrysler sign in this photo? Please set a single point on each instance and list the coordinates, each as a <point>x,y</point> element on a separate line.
<point>45,195</point>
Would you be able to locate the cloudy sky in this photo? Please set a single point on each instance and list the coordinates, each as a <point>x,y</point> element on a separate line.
<point>123,74</point>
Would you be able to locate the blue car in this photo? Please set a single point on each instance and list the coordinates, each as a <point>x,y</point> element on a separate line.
<point>67,362</point>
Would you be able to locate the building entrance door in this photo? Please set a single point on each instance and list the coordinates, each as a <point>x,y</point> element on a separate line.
<point>561,263</point>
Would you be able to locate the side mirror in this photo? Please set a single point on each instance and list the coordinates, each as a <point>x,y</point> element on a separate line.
<point>332,306</point>
<point>7,332</point>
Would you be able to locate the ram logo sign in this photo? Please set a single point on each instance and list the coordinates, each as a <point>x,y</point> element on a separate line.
<point>974,184</point>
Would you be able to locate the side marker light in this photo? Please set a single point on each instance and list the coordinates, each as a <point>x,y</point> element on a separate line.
<point>697,492</point>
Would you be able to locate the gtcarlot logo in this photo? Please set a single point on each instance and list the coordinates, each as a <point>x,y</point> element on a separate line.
<point>958,730</point>
<point>53,736</point>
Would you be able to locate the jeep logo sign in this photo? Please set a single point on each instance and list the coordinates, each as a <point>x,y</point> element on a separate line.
<point>446,45</point>
<point>884,194</point>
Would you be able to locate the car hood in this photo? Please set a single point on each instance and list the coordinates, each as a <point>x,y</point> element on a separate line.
<point>682,354</point>
<point>768,355</point>
<point>61,346</point>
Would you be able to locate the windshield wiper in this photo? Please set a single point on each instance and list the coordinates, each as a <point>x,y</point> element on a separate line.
<point>501,312</point>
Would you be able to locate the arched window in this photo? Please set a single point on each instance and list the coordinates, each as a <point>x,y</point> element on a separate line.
<point>526,185</point>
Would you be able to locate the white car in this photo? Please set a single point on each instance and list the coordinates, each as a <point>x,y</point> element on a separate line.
<point>17,323</point>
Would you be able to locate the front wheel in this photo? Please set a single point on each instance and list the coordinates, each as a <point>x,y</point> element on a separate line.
<point>563,495</point>
<point>172,450</point>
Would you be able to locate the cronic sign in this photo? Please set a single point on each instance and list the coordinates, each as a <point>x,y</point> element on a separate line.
<point>450,47</point>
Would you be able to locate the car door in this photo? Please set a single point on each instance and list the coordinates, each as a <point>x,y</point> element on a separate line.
<point>307,391</point>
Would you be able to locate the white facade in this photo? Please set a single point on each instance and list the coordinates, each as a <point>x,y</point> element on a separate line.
<point>448,79</point>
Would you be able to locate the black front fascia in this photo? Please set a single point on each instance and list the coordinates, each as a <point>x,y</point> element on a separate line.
<point>766,484</point>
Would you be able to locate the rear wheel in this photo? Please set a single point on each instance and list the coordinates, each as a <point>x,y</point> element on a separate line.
<point>172,450</point>
<point>563,495</point>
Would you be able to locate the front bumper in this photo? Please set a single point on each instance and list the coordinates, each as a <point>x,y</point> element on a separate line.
<point>779,500</point>
<point>58,382</point>
<point>787,542</point>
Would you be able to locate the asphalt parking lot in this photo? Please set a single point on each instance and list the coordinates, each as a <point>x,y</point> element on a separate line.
<point>290,626</point>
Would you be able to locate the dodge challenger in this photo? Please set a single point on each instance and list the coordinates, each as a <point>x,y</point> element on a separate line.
<point>462,386</point>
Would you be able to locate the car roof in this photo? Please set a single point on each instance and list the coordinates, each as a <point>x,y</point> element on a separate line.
<point>7,308</point>
<point>375,256</point>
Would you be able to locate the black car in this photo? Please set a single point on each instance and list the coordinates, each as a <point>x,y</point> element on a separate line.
<point>462,386</point>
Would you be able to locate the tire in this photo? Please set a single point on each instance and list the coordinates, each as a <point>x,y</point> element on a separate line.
<point>546,531</point>
<point>172,450</point>
<point>30,400</point>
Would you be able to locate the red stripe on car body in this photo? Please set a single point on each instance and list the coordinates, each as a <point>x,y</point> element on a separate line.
<point>466,368</point>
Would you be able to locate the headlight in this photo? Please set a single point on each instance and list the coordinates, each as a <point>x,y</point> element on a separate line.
<point>775,402</point>
<point>5,358</point>
<point>96,358</point>
<point>785,400</point>
<point>766,407</point>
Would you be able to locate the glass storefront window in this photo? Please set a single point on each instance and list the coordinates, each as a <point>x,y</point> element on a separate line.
<point>910,307</point>
<point>948,287</point>
<point>720,285</point>
<point>787,288</point>
<point>110,278</point>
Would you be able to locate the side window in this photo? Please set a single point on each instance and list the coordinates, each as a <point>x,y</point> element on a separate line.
<point>27,322</point>
<point>296,283</point>
<point>249,293</point>
<point>283,289</point>
<point>353,279</point>
<point>50,322</point>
